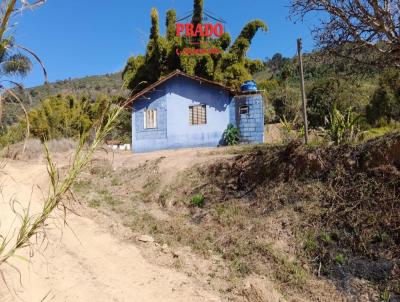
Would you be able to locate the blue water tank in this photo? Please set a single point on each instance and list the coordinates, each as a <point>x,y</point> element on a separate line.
<point>248,86</point>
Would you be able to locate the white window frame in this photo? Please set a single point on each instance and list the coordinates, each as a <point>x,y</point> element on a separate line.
<point>154,126</point>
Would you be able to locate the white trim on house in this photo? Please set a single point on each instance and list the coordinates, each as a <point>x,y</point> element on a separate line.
<point>150,119</point>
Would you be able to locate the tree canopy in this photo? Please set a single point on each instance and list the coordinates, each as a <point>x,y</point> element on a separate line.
<point>230,66</point>
<point>358,26</point>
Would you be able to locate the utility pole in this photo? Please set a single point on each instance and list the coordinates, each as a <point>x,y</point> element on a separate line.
<point>303,91</point>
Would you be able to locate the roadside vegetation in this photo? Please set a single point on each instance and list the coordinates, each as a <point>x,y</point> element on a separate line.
<point>353,67</point>
<point>370,99</point>
<point>91,88</point>
<point>68,117</point>
<point>300,216</point>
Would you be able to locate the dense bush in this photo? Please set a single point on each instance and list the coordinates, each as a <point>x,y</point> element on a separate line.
<point>231,135</point>
<point>335,92</point>
<point>384,106</point>
<point>92,87</point>
<point>343,127</point>
<point>286,101</point>
<point>270,116</point>
<point>66,117</point>
<point>12,134</point>
<point>123,128</point>
<point>330,84</point>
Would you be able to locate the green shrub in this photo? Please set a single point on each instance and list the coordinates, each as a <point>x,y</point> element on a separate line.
<point>343,127</point>
<point>94,203</point>
<point>310,244</point>
<point>328,93</point>
<point>288,129</point>
<point>67,117</point>
<point>198,200</point>
<point>231,135</point>
<point>340,259</point>
<point>384,105</point>
<point>385,296</point>
<point>326,238</point>
<point>286,101</point>
<point>12,134</point>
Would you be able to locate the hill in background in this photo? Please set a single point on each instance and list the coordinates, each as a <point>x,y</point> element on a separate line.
<point>91,86</point>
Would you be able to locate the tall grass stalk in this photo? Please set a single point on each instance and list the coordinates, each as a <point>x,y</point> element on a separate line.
<point>32,225</point>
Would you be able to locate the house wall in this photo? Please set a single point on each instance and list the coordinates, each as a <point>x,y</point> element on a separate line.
<point>144,140</point>
<point>172,100</point>
<point>251,125</point>
<point>185,92</point>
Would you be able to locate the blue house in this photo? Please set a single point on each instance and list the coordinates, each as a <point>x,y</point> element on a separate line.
<point>181,111</point>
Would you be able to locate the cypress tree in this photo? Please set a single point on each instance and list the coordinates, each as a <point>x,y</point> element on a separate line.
<point>230,67</point>
<point>170,24</point>
<point>156,53</point>
<point>197,12</point>
<point>197,17</point>
<point>242,43</point>
<point>155,28</point>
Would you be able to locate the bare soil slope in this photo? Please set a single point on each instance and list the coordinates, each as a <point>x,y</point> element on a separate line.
<point>90,265</point>
<point>270,223</point>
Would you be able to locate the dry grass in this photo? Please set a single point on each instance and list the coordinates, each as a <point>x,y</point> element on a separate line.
<point>233,229</point>
<point>34,149</point>
<point>347,198</point>
<point>291,214</point>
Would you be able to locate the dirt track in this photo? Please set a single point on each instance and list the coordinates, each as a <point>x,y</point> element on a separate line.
<point>93,267</point>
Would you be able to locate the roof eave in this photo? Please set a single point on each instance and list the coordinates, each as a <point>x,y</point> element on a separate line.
<point>151,87</point>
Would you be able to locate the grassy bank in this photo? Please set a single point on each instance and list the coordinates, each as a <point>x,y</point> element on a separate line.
<point>321,223</point>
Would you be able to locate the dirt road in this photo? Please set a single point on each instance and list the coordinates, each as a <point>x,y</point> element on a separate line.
<point>94,266</point>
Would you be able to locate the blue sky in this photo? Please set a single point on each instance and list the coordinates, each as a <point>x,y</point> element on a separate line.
<point>76,38</point>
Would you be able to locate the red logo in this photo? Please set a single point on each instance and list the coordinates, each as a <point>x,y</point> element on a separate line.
<point>201,30</point>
